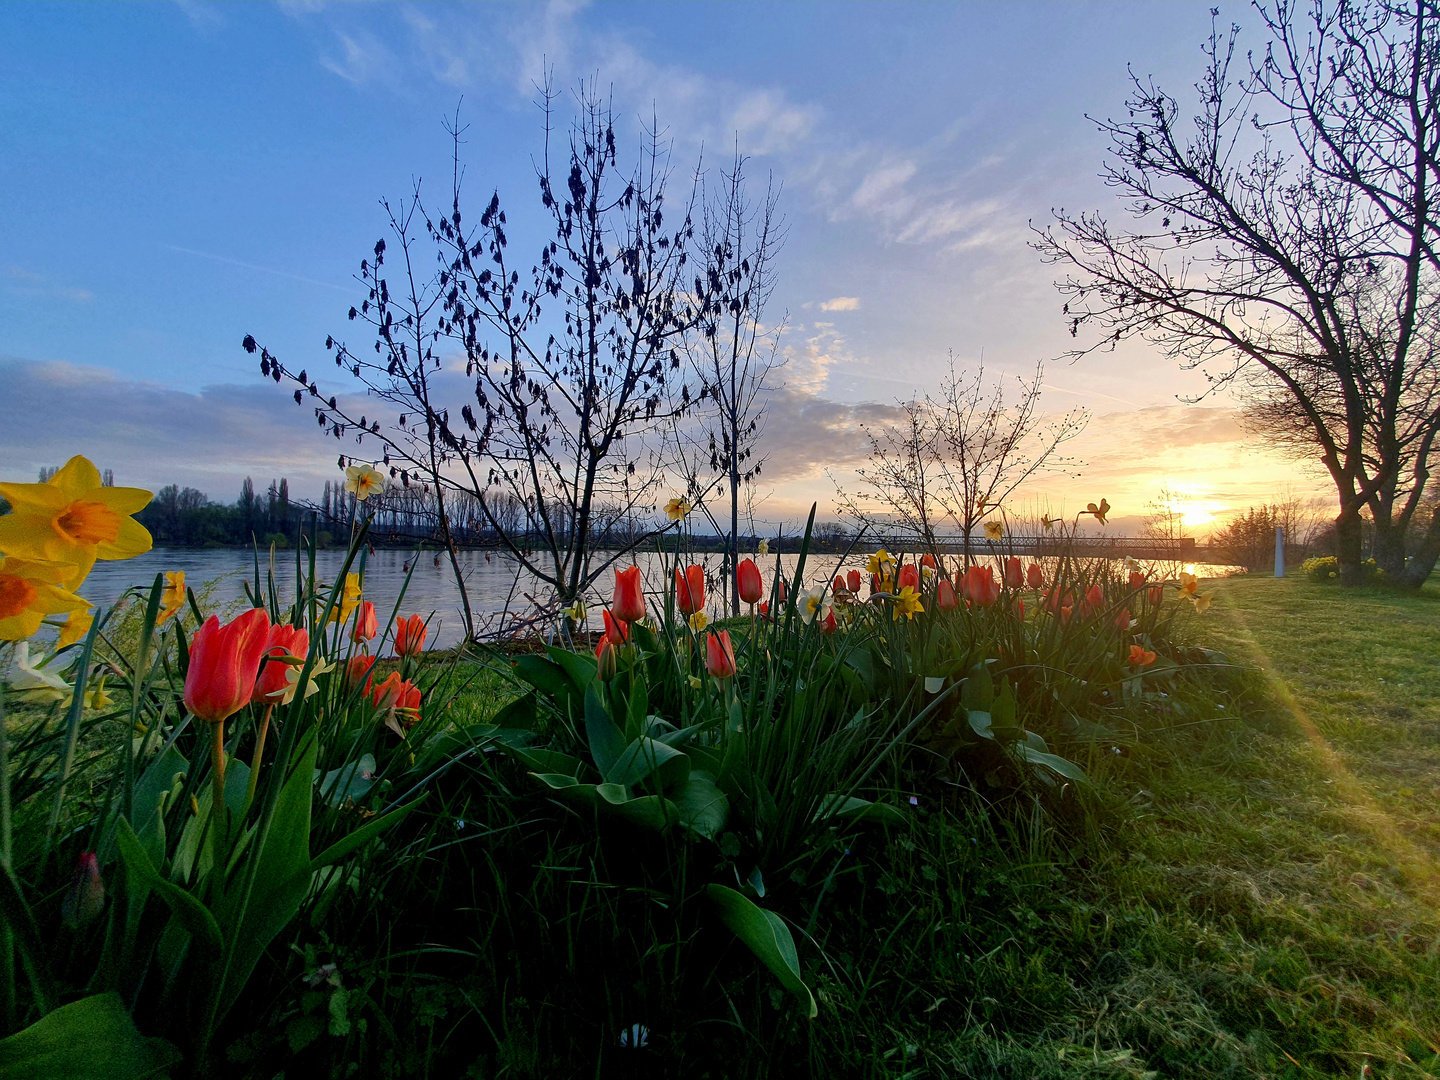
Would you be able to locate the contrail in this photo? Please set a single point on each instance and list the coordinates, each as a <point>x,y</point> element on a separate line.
<point>262,269</point>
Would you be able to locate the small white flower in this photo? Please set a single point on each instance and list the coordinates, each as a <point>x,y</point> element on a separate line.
<point>31,679</point>
<point>292,680</point>
<point>814,604</point>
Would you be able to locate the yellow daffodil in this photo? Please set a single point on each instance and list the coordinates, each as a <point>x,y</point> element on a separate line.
<point>907,603</point>
<point>1189,585</point>
<point>698,621</point>
<point>763,548</point>
<point>814,604</point>
<point>576,612</point>
<point>362,481</point>
<point>695,682</point>
<point>292,679</point>
<point>72,519</point>
<point>885,583</point>
<point>348,599</point>
<point>1099,511</point>
<point>75,628</point>
<point>1048,521</point>
<point>879,563</point>
<point>97,698</point>
<point>1201,602</point>
<point>677,509</point>
<point>29,591</point>
<point>172,597</point>
<point>994,530</point>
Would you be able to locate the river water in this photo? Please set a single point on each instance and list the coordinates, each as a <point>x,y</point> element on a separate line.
<point>490,580</point>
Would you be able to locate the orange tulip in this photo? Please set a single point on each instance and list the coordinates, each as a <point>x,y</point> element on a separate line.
<point>1034,577</point>
<point>1014,576</point>
<point>1095,596</point>
<point>223,663</point>
<point>400,700</point>
<point>929,560</point>
<point>410,635</point>
<point>909,575</point>
<point>853,581</point>
<point>629,602</point>
<point>283,640</point>
<point>1141,657</point>
<point>1123,620</point>
<point>980,586</point>
<point>719,655</point>
<point>616,633</point>
<point>945,597</point>
<point>366,625</point>
<point>1137,580</point>
<point>358,671</point>
<point>748,581</point>
<point>1065,614</point>
<point>690,589</point>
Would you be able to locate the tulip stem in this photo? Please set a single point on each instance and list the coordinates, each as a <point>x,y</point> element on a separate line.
<point>217,798</point>
<point>259,752</point>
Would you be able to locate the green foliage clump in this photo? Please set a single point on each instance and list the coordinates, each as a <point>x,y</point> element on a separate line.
<point>1327,568</point>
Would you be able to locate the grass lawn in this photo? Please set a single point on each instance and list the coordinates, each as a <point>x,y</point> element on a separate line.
<point>1273,904</point>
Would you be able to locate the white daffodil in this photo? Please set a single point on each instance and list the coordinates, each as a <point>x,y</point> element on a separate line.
<point>33,681</point>
<point>292,681</point>
<point>814,604</point>
<point>764,547</point>
<point>362,481</point>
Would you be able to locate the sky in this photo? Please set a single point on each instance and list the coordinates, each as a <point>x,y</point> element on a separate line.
<point>176,176</point>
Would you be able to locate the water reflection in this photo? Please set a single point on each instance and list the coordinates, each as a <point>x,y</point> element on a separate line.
<point>490,579</point>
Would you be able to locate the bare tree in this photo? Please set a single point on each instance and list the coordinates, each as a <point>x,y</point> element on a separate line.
<point>732,352</point>
<point>954,459</point>
<point>1288,246</point>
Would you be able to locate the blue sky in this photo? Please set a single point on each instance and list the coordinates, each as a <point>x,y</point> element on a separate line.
<point>178,175</point>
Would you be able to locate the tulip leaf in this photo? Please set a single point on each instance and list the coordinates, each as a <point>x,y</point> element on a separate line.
<point>981,723</point>
<point>606,742</point>
<point>520,713</point>
<point>649,811</point>
<point>362,836</point>
<point>1002,709</point>
<point>579,668</point>
<point>90,1039</point>
<point>978,693</point>
<point>703,807</point>
<point>548,677</point>
<point>637,710</point>
<point>544,761</point>
<point>647,760</point>
<point>860,810</point>
<point>1054,762</point>
<point>189,912</point>
<point>767,937</point>
<point>568,787</point>
<point>352,781</point>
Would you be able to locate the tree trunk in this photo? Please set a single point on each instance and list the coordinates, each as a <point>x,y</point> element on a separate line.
<point>1349,546</point>
<point>1422,563</point>
<point>1389,548</point>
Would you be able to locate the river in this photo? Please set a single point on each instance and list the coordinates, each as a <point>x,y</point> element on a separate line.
<point>490,580</point>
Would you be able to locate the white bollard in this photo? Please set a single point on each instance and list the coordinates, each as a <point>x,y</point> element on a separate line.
<point>1279,550</point>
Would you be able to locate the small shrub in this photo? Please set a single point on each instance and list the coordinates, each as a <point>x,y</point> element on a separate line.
<point>1327,568</point>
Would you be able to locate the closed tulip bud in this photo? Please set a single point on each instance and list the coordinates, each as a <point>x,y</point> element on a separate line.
<point>1014,575</point>
<point>1020,609</point>
<point>1034,577</point>
<point>748,581</point>
<point>929,560</point>
<point>410,635</point>
<point>853,581</point>
<point>719,655</point>
<point>86,895</point>
<point>945,596</point>
<point>981,588</point>
<point>629,602</point>
<point>764,608</point>
<point>224,661</point>
<point>283,640</point>
<point>1157,594</point>
<point>690,589</point>
<point>781,592</point>
<point>1095,596</point>
<point>1137,580</point>
<point>605,659</point>
<point>909,577</point>
<point>366,625</point>
<point>1123,619</point>
<point>838,585</point>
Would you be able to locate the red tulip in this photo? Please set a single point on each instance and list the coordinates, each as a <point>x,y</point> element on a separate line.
<point>929,560</point>
<point>283,640</point>
<point>980,586</point>
<point>748,581</point>
<point>945,597</point>
<point>1095,596</point>
<point>1137,580</point>
<point>400,698</point>
<point>1014,576</point>
<point>690,589</point>
<point>629,602</point>
<point>1034,577</point>
<point>1065,614</point>
<point>780,592</point>
<point>838,585</point>
<point>909,575</point>
<point>764,608</point>
<point>223,663</point>
<point>1020,609</point>
<point>829,626</point>
<point>1123,619</point>
<point>853,580</point>
<point>410,635</point>
<point>719,655</point>
<point>366,625</point>
<point>1157,594</point>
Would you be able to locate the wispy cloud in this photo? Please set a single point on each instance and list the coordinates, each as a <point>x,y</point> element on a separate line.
<point>22,282</point>
<point>841,303</point>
